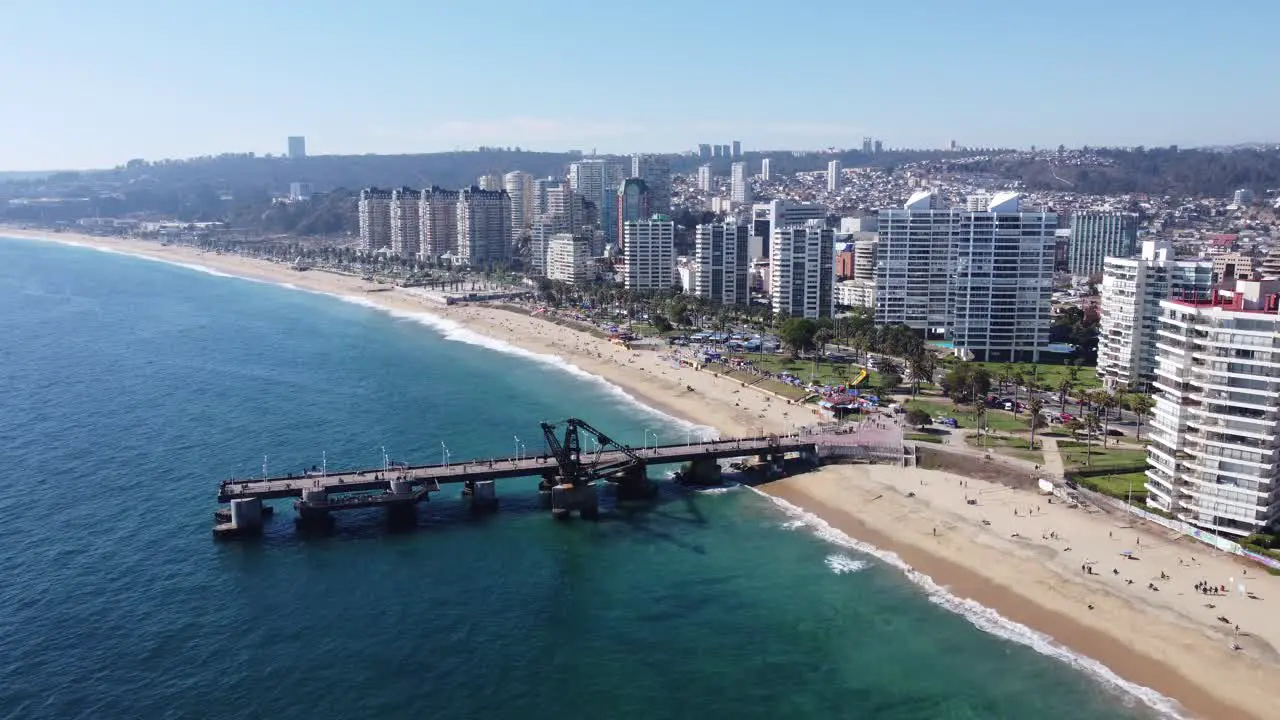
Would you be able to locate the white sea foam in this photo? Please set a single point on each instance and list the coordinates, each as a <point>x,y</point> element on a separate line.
<point>455,331</point>
<point>718,490</point>
<point>792,524</point>
<point>449,329</point>
<point>982,617</point>
<point>842,564</point>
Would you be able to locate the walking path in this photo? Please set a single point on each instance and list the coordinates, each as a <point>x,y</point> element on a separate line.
<point>1053,466</point>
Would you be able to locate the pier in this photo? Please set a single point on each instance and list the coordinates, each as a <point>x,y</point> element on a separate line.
<point>569,473</point>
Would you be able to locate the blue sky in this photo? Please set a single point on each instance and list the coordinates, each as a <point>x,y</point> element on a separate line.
<point>93,83</point>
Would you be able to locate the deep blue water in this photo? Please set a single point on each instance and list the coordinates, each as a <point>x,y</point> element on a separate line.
<point>129,388</point>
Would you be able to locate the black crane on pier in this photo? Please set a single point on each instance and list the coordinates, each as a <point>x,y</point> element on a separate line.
<point>568,453</point>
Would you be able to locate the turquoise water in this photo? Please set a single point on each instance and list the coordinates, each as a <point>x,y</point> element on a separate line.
<point>130,388</point>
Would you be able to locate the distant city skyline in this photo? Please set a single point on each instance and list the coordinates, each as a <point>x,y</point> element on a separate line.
<point>133,79</point>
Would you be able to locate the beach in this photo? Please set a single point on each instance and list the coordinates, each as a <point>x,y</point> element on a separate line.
<point>1165,639</point>
<point>1031,567</point>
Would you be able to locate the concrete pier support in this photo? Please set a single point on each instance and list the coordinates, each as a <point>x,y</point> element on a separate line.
<point>811,457</point>
<point>635,484</point>
<point>404,510</point>
<point>566,498</point>
<point>588,503</point>
<point>482,494</point>
<point>704,471</point>
<point>312,508</point>
<point>244,518</point>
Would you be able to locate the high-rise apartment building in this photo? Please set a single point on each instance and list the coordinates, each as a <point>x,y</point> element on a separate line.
<point>704,151</point>
<point>724,150</point>
<point>802,280</point>
<point>492,183</point>
<point>297,147</point>
<point>736,148</point>
<point>1214,459</point>
<point>1242,197</point>
<point>739,187</point>
<point>722,264</point>
<point>438,223</point>
<point>1096,235</point>
<point>779,213</point>
<point>655,170</point>
<point>633,202</point>
<point>879,147</point>
<point>833,176</point>
<point>541,186</point>
<point>569,258</point>
<point>519,187</point>
<point>980,279</point>
<point>1132,289</point>
<point>541,230</point>
<point>406,228</point>
<point>704,178</point>
<point>597,181</point>
<point>649,254</point>
<point>866,145</point>
<point>375,219</point>
<point>765,173</point>
<point>484,227</point>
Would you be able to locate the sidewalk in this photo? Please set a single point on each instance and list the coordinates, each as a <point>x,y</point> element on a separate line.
<point>1052,458</point>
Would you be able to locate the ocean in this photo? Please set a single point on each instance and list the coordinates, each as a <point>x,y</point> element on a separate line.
<point>131,388</point>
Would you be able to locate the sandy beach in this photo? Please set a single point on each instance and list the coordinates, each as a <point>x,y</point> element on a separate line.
<point>1031,568</point>
<point>1027,566</point>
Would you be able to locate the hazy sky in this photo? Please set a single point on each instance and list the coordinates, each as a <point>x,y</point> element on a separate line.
<point>94,83</point>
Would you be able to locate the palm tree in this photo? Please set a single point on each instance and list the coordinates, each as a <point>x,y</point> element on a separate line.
<point>1091,426</point>
<point>1121,396</point>
<point>1035,405</point>
<point>889,366</point>
<point>1101,401</point>
<point>823,336</point>
<point>1107,401</point>
<point>921,365</point>
<point>1065,387</point>
<point>1005,375</point>
<point>1017,379</point>
<point>979,415</point>
<point>1141,405</point>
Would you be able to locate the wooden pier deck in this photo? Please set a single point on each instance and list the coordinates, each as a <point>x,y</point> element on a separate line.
<point>425,477</point>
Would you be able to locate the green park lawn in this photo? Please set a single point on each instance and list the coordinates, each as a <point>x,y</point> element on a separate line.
<point>1046,374</point>
<point>1074,455</point>
<point>822,373</point>
<point>995,419</point>
<point>1118,486</point>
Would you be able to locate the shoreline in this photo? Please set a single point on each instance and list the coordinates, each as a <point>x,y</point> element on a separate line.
<point>634,375</point>
<point>1152,641</point>
<point>703,400</point>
